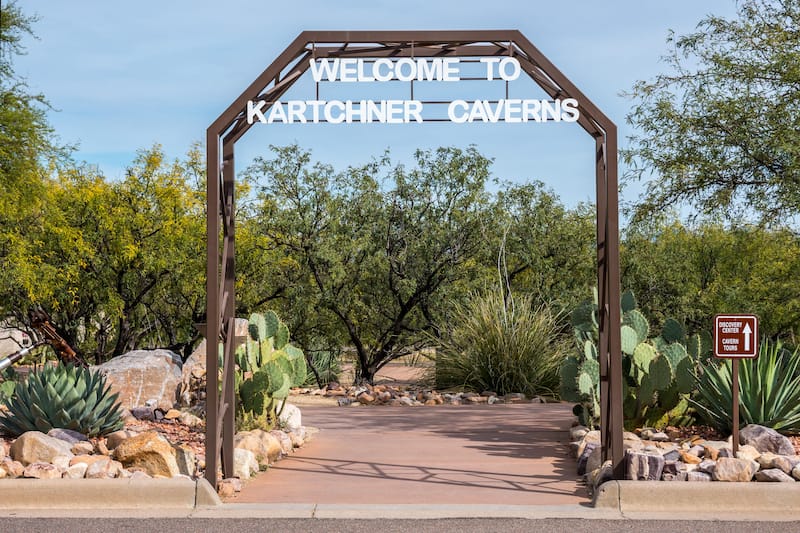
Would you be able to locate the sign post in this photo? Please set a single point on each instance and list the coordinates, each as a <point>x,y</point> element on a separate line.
<point>735,337</point>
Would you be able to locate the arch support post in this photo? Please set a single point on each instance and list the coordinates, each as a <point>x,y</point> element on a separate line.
<point>220,307</point>
<point>608,305</point>
<point>212,330</point>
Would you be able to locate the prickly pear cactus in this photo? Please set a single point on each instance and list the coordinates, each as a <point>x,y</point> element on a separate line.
<point>268,366</point>
<point>657,370</point>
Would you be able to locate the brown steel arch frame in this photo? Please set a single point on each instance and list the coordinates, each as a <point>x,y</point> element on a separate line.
<point>275,81</point>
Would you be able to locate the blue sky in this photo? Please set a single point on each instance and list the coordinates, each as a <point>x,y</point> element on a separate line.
<point>125,75</point>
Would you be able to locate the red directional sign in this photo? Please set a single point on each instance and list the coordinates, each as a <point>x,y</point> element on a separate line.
<point>736,336</point>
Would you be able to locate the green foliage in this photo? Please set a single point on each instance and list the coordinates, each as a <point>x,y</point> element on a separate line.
<point>541,240</point>
<point>502,345</point>
<point>692,272</point>
<point>267,366</point>
<point>118,265</point>
<point>324,367</point>
<point>719,129</point>
<point>369,251</point>
<point>7,384</point>
<point>769,390</point>
<point>63,396</point>
<point>657,371</point>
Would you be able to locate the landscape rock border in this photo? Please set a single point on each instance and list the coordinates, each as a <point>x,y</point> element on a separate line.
<point>651,456</point>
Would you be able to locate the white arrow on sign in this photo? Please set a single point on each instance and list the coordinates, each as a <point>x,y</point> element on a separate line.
<point>747,332</point>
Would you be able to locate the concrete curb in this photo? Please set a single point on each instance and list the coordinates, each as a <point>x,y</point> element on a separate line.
<point>176,493</point>
<point>401,511</point>
<point>717,498</point>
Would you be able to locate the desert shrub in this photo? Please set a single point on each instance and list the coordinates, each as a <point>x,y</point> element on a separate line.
<point>324,367</point>
<point>769,390</point>
<point>63,396</point>
<point>500,344</point>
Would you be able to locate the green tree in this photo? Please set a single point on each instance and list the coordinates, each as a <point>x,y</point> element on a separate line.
<point>373,253</point>
<point>695,272</point>
<point>719,129</point>
<point>118,265</point>
<point>544,248</point>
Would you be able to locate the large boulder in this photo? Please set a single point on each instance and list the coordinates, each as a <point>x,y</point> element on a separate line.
<point>143,375</point>
<point>765,439</point>
<point>192,387</point>
<point>149,452</point>
<point>36,447</point>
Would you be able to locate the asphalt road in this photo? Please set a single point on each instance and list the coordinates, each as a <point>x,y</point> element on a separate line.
<point>205,525</point>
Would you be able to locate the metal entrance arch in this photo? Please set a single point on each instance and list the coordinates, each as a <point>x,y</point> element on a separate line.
<point>275,81</point>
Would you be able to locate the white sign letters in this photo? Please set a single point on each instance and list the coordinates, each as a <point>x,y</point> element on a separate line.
<point>354,70</point>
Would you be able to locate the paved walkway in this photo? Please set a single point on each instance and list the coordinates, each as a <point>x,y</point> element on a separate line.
<point>498,454</point>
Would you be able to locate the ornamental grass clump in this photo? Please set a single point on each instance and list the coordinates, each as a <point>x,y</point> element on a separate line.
<point>769,390</point>
<point>502,345</point>
<point>63,396</point>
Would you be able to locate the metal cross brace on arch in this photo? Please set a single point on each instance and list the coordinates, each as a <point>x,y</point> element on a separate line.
<point>271,84</point>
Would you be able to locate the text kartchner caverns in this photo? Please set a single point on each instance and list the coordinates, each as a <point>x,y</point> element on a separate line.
<point>445,70</point>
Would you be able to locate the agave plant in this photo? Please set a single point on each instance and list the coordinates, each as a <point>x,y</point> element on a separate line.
<point>769,390</point>
<point>63,396</point>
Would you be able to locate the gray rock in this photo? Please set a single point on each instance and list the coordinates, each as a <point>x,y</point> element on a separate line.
<point>707,466</point>
<point>597,477</point>
<point>672,455</point>
<point>143,375</point>
<point>726,452</point>
<point>749,452</point>
<point>593,437</point>
<point>61,462</point>
<point>647,433</point>
<point>66,435</point>
<point>188,419</point>
<point>185,458</point>
<point>82,448</point>
<point>584,457</point>
<point>284,439</point>
<point>660,436</point>
<point>731,469</point>
<point>244,463</point>
<point>595,460</point>
<point>143,413</point>
<point>697,476</point>
<point>76,471</point>
<point>36,447</point>
<point>774,475</point>
<point>697,450</point>
<point>643,466</point>
<point>116,438</point>
<point>150,452</point>
<point>680,476</point>
<point>673,467</point>
<point>41,471</point>
<point>105,468</point>
<point>290,417</point>
<point>786,462</point>
<point>766,439</point>
<point>13,469</point>
<point>266,448</point>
